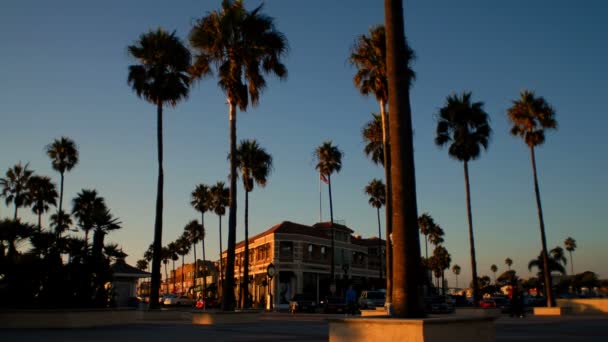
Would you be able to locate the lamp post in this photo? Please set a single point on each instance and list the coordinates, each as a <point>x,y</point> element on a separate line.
<point>270,272</point>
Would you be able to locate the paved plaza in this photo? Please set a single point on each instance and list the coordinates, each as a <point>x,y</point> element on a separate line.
<point>284,327</point>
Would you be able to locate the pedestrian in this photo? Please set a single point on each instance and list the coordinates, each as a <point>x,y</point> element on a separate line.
<point>351,297</point>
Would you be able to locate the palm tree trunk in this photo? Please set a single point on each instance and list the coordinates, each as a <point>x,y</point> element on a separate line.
<point>331,217</point>
<point>406,290</point>
<point>183,257</point>
<point>86,242</point>
<point>443,282</point>
<point>158,222</point>
<point>221,262</point>
<point>195,265</point>
<point>228,299</point>
<point>245,282</point>
<point>475,290</point>
<point>546,270</point>
<point>166,280</point>
<point>204,259</point>
<point>59,224</point>
<point>571,263</point>
<point>173,276</point>
<point>389,204</point>
<point>40,227</point>
<point>379,242</point>
<point>16,208</point>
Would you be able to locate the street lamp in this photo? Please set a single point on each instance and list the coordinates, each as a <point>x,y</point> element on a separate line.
<point>270,272</point>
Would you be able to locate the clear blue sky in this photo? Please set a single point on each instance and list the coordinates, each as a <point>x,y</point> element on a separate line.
<point>63,71</point>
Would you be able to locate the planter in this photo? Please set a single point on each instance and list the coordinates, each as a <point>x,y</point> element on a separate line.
<point>45,319</point>
<point>544,311</point>
<point>479,329</point>
<point>224,317</point>
<point>584,306</point>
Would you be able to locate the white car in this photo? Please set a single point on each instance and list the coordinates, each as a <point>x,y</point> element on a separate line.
<point>178,300</point>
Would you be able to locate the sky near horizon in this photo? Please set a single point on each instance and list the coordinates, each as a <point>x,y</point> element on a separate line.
<point>63,71</point>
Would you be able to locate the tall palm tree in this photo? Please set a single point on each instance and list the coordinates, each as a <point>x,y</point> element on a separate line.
<point>166,255</point>
<point>172,250</point>
<point>329,160</point>
<point>376,190</point>
<point>160,78</point>
<point>42,195</point>
<point>14,186</point>
<point>85,207</point>
<point>192,233</point>
<point>63,153</point>
<point>531,116</point>
<point>456,270</point>
<point>202,201</point>
<point>243,46</point>
<point>508,262</point>
<point>465,125</point>
<point>443,261</point>
<point>372,136</point>
<point>557,254</point>
<point>570,245</point>
<point>255,165</point>
<point>220,201</point>
<point>183,248</point>
<point>494,268</point>
<point>406,290</point>
<point>368,55</point>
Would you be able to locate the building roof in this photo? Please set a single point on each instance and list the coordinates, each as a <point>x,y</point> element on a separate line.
<point>373,241</point>
<point>122,269</point>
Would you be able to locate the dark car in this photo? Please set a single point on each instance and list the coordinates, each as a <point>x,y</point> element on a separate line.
<point>334,305</point>
<point>438,305</point>
<point>302,303</point>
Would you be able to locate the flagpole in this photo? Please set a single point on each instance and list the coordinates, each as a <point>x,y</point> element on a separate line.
<point>320,207</point>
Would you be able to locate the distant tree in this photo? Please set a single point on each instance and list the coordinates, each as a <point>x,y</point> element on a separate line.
<point>494,268</point>
<point>443,260</point>
<point>183,248</point>
<point>376,190</point>
<point>465,125</point>
<point>85,207</point>
<point>142,265</point>
<point>531,116</point>
<point>570,245</point>
<point>220,201</point>
<point>166,255</point>
<point>508,262</point>
<point>202,201</point>
<point>192,233</point>
<point>456,270</point>
<point>506,278</point>
<point>161,78</point>
<point>63,153</point>
<point>373,138</point>
<point>15,186</point>
<point>172,249</point>
<point>60,222</point>
<point>42,195</point>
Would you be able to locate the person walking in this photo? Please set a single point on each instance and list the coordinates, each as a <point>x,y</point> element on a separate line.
<point>351,298</point>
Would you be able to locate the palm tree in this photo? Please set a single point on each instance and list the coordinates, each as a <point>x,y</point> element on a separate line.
<point>372,135</point>
<point>494,268</point>
<point>42,195</point>
<point>508,262</point>
<point>113,252</point>
<point>555,265</point>
<point>406,295</point>
<point>220,201</point>
<point>443,260</point>
<point>85,206</point>
<point>64,156</point>
<point>103,223</point>
<point>61,221</point>
<point>183,248</point>
<point>166,255</point>
<point>142,265</point>
<point>243,46</point>
<point>13,231</point>
<point>160,78</point>
<point>456,270</point>
<point>14,186</point>
<point>201,201</point>
<point>570,245</point>
<point>466,125</point>
<point>530,116</point>
<point>369,55</point>
<point>329,160</point>
<point>172,250</point>
<point>426,225</point>
<point>376,191</point>
<point>557,254</point>
<point>192,233</point>
<point>255,165</point>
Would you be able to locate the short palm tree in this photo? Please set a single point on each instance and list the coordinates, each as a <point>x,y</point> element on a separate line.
<point>142,265</point>
<point>61,222</point>
<point>555,265</point>
<point>14,186</point>
<point>376,190</point>
<point>183,248</point>
<point>103,223</point>
<point>243,46</point>
<point>531,116</point>
<point>494,268</point>
<point>329,160</point>
<point>221,196</point>
<point>114,253</point>
<point>456,270</point>
<point>465,126</point>
<point>172,252</point>
<point>192,232</point>
<point>42,195</point>
<point>255,165</point>
<point>557,254</point>
<point>201,201</point>
<point>508,262</point>
<point>570,245</point>
<point>12,232</point>
<point>161,78</point>
<point>63,153</point>
<point>85,206</point>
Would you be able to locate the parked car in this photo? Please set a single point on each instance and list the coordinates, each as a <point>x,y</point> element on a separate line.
<point>371,299</point>
<point>178,300</point>
<point>487,303</point>
<point>302,302</point>
<point>438,305</point>
<point>334,305</point>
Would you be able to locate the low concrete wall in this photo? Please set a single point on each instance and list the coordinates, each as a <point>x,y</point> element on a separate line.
<point>479,329</point>
<point>545,311</point>
<point>377,312</point>
<point>45,319</point>
<point>471,311</point>
<point>591,306</point>
<point>220,317</point>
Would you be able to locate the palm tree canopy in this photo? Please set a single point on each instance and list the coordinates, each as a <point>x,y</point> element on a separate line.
<point>221,197</point>
<point>508,262</point>
<point>530,116</point>
<point>182,245</point>
<point>85,206</point>
<point>242,45</point>
<point>376,190</point>
<point>254,163</point>
<point>368,55</point>
<point>329,158</point>
<point>142,264</point>
<point>201,199</point>
<point>456,269</point>
<point>465,124</point>
<point>162,75</point>
<point>372,136</point>
<point>194,232</point>
<point>442,257</point>
<point>425,224</point>
<point>64,218</point>
<point>493,268</point>
<point>554,265</point>
<point>436,235</point>
<point>43,193</point>
<point>114,252</point>
<point>570,244</point>
<point>558,255</point>
<point>63,153</point>
<point>172,248</point>
<point>14,186</point>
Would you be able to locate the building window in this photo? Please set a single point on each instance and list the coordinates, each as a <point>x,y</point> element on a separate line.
<point>286,250</point>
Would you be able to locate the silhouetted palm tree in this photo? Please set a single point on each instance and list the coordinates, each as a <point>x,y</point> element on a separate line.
<point>221,196</point>
<point>494,268</point>
<point>183,248</point>
<point>85,207</point>
<point>172,250</point>
<point>557,254</point>
<point>570,245</point>
<point>255,165</point>
<point>64,156</point>
<point>192,233</point>
<point>201,201</point>
<point>12,232</point>
<point>376,190</point>
<point>142,265</point>
<point>508,262</point>
<point>166,255</point>
<point>103,223</point>
<point>531,116</point>
<point>243,46</point>
<point>14,186</point>
<point>329,160</point>
<point>443,261</point>
<point>161,78</point>
<point>465,125</point>
<point>113,252</point>
<point>42,195</point>
<point>456,270</point>
<point>554,266</point>
<point>61,222</point>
